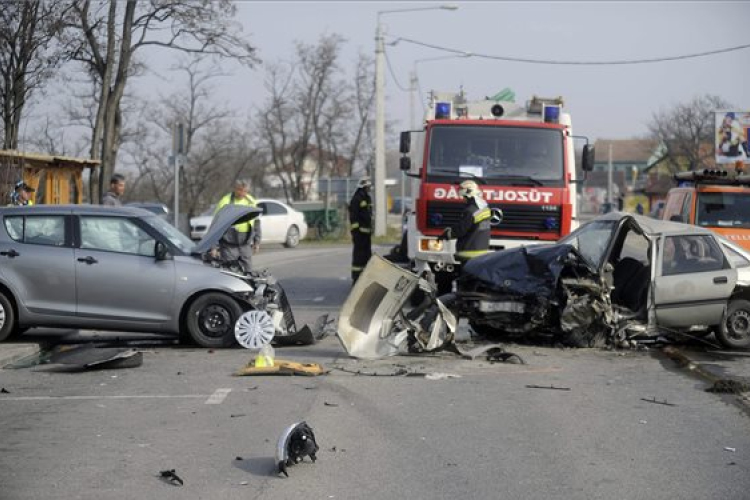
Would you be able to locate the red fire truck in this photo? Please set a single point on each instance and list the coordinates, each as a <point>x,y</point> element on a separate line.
<point>521,156</point>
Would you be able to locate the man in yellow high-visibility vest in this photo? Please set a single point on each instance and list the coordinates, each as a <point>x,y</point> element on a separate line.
<point>21,196</point>
<point>240,240</point>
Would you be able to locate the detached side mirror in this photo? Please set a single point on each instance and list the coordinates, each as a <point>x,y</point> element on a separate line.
<point>404,145</point>
<point>161,252</point>
<point>405,163</point>
<point>587,158</point>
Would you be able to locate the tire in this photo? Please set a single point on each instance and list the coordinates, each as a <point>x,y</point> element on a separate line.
<point>7,317</point>
<point>444,283</point>
<point>292,237</point>
<point>734,331</point>
<point>210,320</point>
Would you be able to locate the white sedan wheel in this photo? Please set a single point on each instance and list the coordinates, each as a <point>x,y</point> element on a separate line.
<point>254,329</point>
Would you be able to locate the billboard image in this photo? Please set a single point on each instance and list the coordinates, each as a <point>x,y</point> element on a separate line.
<point>732,132</point>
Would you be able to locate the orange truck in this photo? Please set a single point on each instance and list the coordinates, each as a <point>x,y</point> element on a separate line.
<point>718,200</point>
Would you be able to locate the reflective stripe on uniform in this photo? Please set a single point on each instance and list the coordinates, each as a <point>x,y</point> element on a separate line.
<point>363,203</point>
<point>354,268</point>
<point>482,214</point>
<point>365,230</point>
<point>470,254</point>
<point>355,225</point>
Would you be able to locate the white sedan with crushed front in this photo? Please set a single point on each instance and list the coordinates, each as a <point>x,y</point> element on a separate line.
<point>280,223</point>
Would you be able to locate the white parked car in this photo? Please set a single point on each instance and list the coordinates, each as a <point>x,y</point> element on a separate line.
<point>280,223</point>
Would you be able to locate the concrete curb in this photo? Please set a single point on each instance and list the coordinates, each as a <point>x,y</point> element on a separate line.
<point>10,353</point>
<point>699,370</point>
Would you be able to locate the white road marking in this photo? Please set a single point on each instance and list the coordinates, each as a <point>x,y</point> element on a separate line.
<point>218,396</point>
<point>89,398</point>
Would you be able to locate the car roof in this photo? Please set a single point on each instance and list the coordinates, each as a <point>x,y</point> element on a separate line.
<point>124,211</point>
<point>656,227</point>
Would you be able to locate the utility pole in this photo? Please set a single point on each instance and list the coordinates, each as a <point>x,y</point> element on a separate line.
<point>177,152</point>
<point>609,179</point>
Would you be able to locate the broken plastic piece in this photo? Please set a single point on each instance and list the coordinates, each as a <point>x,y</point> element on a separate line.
<point>283,367</point>
<point>171,477</point>
<point>548,387</point>
<point>91,357</point>
<point>296,442</point>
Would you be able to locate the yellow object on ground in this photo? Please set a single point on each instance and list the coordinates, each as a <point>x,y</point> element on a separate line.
<point>282,367</point>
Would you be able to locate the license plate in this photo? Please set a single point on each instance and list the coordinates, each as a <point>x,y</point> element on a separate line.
<point>486,306</point>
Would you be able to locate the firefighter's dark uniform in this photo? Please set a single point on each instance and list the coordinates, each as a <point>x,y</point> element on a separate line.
<point>360,218</point>
<point>473,230</point>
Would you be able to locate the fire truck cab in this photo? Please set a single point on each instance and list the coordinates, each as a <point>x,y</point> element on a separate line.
<point>715,199</point>
<point>522,157</point>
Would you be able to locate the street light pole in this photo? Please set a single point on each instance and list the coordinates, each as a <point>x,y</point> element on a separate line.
<point>379,174</point>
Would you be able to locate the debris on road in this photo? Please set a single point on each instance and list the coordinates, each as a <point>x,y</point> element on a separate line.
<point>4,391</point>
<point>441,376</point>
<point>326,403</point>
<point>283,367</point>
<point>91,357</point>
<point>728,386</point>
<point>296,442</point>
<point>554,388</point>
<point>171,477</point>
<point>654,400</point>
<point>727,448</point>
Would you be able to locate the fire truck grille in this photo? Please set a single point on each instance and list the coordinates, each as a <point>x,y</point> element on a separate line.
<point>522,218</point>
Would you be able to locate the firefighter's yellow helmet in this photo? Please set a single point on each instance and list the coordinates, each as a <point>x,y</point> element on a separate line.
<point>469,189</point>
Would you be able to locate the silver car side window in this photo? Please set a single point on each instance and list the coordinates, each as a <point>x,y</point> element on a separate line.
<point>691,254</point>
<point>37,229</point>
<point>115,234</point>
<point>14,226</point>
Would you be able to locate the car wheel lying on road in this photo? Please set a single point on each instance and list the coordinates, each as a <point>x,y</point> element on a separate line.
<point>211,318</point>
<point>7,317</point>
<point>292,237</point>
<point>734,331</point>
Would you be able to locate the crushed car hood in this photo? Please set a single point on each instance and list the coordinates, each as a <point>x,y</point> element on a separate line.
<point>226,218</point>
<point>528,270</point>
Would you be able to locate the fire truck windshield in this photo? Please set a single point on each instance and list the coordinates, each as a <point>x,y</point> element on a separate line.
<point>723,209</point>
<point>517,154</point>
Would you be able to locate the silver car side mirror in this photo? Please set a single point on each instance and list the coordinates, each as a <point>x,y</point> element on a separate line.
<point>161,252</point>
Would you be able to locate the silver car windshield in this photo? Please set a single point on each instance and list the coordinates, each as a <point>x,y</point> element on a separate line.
<point>174,236</point>
<point>591,240</point>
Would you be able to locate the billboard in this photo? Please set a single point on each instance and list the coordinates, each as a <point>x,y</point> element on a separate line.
<point>732,132</point>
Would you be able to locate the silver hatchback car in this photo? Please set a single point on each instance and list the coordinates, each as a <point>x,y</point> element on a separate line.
<point>85,266</point>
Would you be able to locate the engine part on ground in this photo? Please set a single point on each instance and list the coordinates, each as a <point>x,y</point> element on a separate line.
<point>295,443</point>
<point>283,367</point>
<point>254,329</point>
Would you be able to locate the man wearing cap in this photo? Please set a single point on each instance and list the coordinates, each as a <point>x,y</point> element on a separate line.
<point>240,240</point>
<point>116,187</point>
<point>360,219</point>
<point>21,196</point>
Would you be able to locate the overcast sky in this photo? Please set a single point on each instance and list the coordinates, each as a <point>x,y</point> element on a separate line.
<point>606,101</point>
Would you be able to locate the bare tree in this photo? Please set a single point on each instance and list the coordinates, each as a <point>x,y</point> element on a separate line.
<point>112,32</point>
<point>686,132</point>
<point>28,55</point>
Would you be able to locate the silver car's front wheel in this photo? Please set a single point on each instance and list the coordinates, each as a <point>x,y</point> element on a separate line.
<point>210,320</point>
<point>7,317</point>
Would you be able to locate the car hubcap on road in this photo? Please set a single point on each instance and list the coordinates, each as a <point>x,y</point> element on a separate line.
<point>739,325</point>
<point>215,321</point>
<point>254,329</point>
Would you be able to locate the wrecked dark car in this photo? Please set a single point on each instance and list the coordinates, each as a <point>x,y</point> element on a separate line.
<point>617,279</point>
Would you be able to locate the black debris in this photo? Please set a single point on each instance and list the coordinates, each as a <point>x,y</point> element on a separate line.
<point>548,387</point>
<point>239,459</point>
<point>235,415</point>
<point>727,386</point>
<point>4,391</point>
<point>329,404</point>
<point>653,400</point>
<point>171,477</point>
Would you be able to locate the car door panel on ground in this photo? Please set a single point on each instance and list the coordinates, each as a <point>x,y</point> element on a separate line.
<point>117,274</point>
<point>693,283</point>
<point>41,290</point>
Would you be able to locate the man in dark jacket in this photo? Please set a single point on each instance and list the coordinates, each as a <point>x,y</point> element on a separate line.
<point>116,187</point>
<point>473,230</point>
<point>360,219</point>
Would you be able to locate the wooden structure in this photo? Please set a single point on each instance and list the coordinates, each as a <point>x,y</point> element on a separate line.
<point>56,179</point>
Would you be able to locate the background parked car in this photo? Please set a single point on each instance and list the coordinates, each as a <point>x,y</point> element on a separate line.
<point>280,223</point>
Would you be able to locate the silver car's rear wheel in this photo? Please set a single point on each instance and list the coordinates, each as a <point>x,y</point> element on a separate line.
<point>7,317</point>
<point>292,237</point>
<point>254,329</point>
<point>210,320</point>
<point>734,331</point>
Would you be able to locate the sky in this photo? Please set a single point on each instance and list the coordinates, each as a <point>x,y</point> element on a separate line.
<point>605,101</point>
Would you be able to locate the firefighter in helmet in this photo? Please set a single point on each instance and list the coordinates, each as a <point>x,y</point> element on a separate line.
<point>473,230</point>
<point>360,218</point>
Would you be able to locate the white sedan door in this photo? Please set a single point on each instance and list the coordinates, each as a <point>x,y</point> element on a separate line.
<point>274,222</point>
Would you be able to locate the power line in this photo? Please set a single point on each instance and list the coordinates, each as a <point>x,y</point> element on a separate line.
<point>578,63</point>
<point>393,75</point>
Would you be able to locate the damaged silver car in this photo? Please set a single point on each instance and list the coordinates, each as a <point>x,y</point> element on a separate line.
<point>126,269</point>
<point>619,278</point>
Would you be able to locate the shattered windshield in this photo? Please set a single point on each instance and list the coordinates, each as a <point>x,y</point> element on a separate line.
<point>591,240</point>
<point>723,210</point>
<point>519,154</point>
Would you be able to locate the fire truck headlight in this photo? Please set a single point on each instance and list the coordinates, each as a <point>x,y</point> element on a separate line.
<point>551,223</point>
<point>431,245</point>
<point>442,110</point>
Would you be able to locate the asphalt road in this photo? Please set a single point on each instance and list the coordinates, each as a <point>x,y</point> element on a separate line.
<point>482,433</point>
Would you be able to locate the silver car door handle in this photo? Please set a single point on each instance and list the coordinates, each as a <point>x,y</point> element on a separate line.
<point>10,253</point>
<point>88,260</point>
<point>720,280</point>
